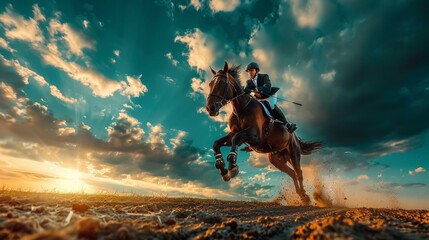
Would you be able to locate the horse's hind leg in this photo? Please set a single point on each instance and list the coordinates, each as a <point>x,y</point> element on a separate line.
<point>295,160</point>
<point>279,160</point>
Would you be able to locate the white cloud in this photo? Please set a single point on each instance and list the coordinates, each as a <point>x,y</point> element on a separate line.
<point>8,91</point>
<point>197,4</point>
<point>24,72</point>
<point>16,27</point>
<point>116,52</point>
<point>173,61</point>
<point>200,86</point>
<point>86,127</point>
<point>178,139</point>
<point>329,76</point>
<point>75,41</point>
<point>124,116</point>
<point>134,87</point>
<point>362,177</point>
<point>417,170</point>
<point>66,131</point>
<point>263,56</point>
<point>156,136</point>
<point>3,43</point>
<point>128,106</point>
<point>38,16</point>
<point>85,23</point>
<point>169,79</point>
<point>99,84</point>
<point>307,13</point>
<point>258,160</point>
<point>57,93</point>
<point>260,177</point>
<point>200,49</point>
<point>224,5</point>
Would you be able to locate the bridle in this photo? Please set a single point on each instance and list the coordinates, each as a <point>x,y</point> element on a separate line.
<point>223,99</point>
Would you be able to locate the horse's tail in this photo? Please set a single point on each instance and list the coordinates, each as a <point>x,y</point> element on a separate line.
<point>309,147</point>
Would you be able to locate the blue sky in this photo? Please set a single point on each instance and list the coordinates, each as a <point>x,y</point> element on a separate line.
<point>109,96</point>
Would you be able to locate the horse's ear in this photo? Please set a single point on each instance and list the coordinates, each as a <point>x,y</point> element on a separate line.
<point>213,71</point>
<point>225,67</point>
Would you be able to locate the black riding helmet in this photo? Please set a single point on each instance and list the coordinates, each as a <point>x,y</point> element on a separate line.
<point>251,66</point>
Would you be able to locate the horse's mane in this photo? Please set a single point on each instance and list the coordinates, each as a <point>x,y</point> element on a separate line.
<point>235,72</point>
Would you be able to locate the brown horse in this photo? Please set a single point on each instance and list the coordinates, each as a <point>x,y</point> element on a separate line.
<point>249,125</point>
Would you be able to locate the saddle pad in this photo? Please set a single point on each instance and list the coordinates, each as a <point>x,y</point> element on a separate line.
<point>266,111</point>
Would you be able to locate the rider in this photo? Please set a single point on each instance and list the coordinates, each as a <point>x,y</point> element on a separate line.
<point>261,85</point>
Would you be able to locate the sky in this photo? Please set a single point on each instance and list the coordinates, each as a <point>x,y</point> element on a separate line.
<point>104,97</point>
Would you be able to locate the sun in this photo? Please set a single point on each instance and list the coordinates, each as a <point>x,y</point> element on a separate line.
<point>70,181</point>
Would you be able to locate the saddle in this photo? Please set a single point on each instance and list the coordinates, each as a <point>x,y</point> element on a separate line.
<point>269,113</point>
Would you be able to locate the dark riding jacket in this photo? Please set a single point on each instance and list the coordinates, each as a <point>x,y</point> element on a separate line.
<point>263,85</point>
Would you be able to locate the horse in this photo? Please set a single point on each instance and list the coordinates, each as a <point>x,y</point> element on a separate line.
<point>249,125</point>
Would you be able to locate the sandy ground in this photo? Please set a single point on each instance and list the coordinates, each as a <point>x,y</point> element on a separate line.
<point>47,216</point>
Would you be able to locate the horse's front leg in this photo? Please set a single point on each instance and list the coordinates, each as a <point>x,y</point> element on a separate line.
<point>247,135</point>
<point>220,163</point>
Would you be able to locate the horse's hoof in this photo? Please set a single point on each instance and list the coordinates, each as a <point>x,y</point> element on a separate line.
<point>226,177</point>
<point>223,172</point>
<point>306,200</point>
<point>233,172</point>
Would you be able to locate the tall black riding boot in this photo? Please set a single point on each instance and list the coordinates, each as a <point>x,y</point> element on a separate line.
<point>291,127</point>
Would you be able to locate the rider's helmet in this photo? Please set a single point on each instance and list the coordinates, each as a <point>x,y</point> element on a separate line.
<point>252,65</point>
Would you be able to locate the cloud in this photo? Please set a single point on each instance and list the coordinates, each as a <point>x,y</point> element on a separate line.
<point>200,49</point>
<point>63,41</point>
<point>170,57</point>
<point>24,72</point>
<point>262,177</point>
<point>417,170</point>
<point>38,15</point>
<point>329,76</point>
<point>223,5</point>
<point>200,86</point>
<point>85,23</point>
<point>128,106</point>
<point>134,87</point>
<point>388,187</point>
<point>16,27</point>
<point>328,159</point>
<point>4,44</point>
<point>99,84</point>
<point>169,80</point>
<point>57,93</point>
<point>75,41</point>
<point>196,4</point>
<point>126,130</point>
<point>258,160</point>
<point>307,13</point>
<point>116,53</point>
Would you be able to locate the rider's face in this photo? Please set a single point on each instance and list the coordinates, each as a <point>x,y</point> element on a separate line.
<point>252,73</point>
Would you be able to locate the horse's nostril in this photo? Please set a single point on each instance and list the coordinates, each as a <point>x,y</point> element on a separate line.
<point>212,108</point>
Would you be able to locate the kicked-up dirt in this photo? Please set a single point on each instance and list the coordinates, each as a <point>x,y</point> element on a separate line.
<point>71,216</point>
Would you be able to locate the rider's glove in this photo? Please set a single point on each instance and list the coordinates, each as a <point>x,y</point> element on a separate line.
<point>247,90</point>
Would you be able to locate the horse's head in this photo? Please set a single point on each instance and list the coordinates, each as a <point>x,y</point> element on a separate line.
<point>222,90</point>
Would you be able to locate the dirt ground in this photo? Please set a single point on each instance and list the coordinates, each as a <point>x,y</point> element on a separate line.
<point>48,216</point>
